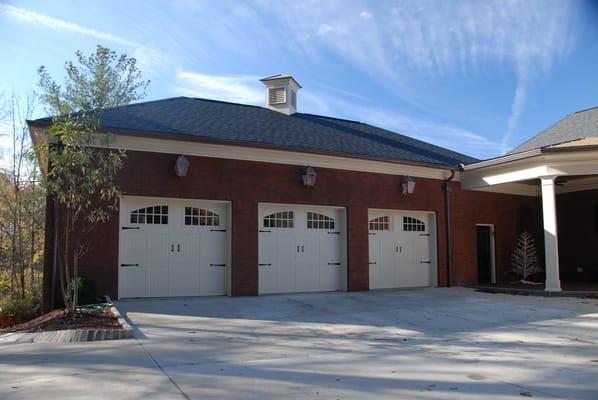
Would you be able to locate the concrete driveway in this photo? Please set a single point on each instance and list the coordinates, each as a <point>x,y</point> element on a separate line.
<point>418,344</point>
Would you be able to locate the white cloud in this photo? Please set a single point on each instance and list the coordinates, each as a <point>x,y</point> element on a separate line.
<point>149,58</point>
<point>445,135</point>
<point>31,17</point>
<point>240,89</point>
<point>415,40</point>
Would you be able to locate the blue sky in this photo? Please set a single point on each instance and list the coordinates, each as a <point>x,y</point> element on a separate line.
<point>478,77</point>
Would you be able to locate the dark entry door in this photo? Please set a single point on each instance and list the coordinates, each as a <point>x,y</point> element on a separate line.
<point>484,243</point>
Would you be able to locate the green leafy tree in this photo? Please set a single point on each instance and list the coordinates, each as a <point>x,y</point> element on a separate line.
<point>82,165</point>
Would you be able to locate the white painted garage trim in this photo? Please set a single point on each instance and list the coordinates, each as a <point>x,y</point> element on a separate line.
<point>432,245</point>
<point>301,235</point>
<point>192,148</point>
<point>123,221</point>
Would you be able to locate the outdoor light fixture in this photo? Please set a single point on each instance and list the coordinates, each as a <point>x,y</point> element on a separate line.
<point>181,166</point>
<point>408,185</point>
<point>309,177</point>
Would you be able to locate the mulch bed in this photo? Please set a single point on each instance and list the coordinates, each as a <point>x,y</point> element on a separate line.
<point>58,320</point>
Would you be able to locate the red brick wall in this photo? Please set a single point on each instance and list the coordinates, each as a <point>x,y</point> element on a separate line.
<point>246,184</point>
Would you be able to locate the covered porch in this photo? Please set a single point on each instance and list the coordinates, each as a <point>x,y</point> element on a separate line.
<point>564,178</point>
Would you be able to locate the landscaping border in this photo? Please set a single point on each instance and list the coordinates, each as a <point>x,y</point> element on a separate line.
<point>74,335</point>
<point>535,292</point>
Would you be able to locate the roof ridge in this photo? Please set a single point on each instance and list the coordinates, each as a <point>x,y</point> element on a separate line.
<point>514,149</point>
<point>224,102</point>
<point>584,110</point>
<point>141,103</point>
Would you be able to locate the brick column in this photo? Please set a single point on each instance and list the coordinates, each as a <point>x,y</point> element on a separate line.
<point>357,249</point>
<point>244,251</point>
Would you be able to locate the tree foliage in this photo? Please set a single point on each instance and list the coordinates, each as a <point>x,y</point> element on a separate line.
<point>22,207</point>
<point>95,82</point>
<point>82,166</point>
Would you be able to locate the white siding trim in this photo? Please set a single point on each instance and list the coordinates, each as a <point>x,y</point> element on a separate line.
<point>136,143</point>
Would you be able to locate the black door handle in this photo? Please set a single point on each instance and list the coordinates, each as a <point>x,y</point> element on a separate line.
<point>172,247</point>
<point>302,249</point>
<point>178,248</point>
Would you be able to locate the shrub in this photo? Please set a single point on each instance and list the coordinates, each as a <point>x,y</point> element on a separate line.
<point>20,310</point>
<point>88,293</point>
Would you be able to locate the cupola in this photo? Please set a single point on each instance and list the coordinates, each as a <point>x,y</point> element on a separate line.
<point>281,93</point>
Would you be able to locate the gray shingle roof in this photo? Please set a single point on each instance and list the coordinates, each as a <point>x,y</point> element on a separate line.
<point>258,126</point>
<point>581,124</point>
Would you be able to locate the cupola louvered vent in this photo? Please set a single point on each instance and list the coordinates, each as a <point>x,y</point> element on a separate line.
<point>277,95</point>
<point>281,93</point>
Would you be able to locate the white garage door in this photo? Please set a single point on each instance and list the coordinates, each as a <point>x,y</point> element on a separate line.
<point>402,248</point>
<point>172,247</point>
<point>301,249</point>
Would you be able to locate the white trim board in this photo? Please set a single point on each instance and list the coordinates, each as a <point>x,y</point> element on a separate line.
<point>159,145</point>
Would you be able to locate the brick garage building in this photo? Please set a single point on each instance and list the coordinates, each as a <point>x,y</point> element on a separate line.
<point>275,201</point>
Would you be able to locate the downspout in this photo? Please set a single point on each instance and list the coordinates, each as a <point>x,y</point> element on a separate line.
<point>447,213</point>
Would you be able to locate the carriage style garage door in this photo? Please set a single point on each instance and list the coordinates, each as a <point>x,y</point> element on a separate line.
<point>172,247</point>
<point>402,247</point>
<point>301,249</point>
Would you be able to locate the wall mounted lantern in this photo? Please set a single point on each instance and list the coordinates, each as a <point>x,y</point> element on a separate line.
<point>181,166</point>
<point>309,177</point>
<point>408,185</point>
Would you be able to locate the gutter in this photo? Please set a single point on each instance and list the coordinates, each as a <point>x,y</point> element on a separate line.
<point>447,213</point>
<point>526,154</point>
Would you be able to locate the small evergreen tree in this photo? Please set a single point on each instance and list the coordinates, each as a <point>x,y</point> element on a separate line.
<point>525,257</point>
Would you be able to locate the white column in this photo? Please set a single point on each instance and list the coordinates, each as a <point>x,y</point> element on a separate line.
<point>551,243</point>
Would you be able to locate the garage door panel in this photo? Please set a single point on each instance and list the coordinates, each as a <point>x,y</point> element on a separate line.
<point>308,263</point>
<point>158,249</point>
<point>330,248</point>
<point>165,237</point>
<point>299,238</point>
<point>132,263</point>
<point>414,275</point>
<point>407,236</point>
<point>158,282</point>
<point>331,262</point>
<point>267,261</point>
<point>184,268</point>
<point>213,259</point>
<point>133,281</point>
<point>286,263</point>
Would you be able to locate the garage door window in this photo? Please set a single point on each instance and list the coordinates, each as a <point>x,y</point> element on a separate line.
<point>150,215</point>
<point>380,224</point>
<point>201,217</point>
<point>283,219</point>
<point>411,224</point>
<point>319,221</point>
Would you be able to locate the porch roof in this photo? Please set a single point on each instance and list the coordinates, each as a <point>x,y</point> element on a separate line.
<point>519,173</point>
